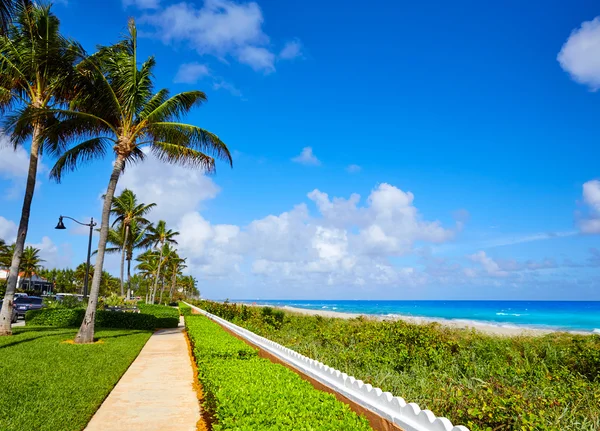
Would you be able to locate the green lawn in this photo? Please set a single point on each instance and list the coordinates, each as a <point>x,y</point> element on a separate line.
<point>50,385</point>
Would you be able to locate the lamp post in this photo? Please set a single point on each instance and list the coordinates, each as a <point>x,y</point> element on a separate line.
<point>91,224</point>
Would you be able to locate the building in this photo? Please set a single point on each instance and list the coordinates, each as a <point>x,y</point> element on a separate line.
<point>39,285</point>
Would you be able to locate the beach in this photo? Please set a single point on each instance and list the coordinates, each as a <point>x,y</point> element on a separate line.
<point>487,328</point>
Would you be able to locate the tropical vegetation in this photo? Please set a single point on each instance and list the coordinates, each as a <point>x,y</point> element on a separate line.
<point>481,381</point>
<point>77,107</point>
<point>245,392</point>
<point>36,73</point>
<point>52,385</point>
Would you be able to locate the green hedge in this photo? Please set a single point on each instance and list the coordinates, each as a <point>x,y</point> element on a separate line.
<point>246,392</point>
<point>167,317</point>
<point>149,318</point>
<point>184,309</point>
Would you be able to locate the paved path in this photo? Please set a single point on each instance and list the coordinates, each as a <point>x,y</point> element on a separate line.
<point>156,392</point>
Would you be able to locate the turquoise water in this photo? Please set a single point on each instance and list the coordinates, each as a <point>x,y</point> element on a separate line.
<point>566,315</point>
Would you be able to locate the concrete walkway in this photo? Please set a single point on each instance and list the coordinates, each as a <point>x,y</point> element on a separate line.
<point>156,392</point>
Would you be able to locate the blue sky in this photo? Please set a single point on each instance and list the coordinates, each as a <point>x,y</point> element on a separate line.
<point>468,130</point>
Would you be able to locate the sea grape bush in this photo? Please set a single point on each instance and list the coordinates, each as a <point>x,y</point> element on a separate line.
<point>546,383</point>
<point>248,393</point>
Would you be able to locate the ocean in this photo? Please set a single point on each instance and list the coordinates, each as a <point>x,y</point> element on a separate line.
<point>561,315</point>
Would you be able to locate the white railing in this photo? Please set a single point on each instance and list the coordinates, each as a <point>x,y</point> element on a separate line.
<point>409,416</point>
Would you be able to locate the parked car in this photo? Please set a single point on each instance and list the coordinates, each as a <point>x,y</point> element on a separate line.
<point>15,316</point>
<point>24,304</point>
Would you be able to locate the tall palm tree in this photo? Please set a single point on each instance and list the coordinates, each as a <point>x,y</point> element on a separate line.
<point>36,72</point>
<point>175,264</point>
<point>127,210</point>
<point>8,9</point>
<point>119,108</point>
<point>160,236</point>
<point>148,267</point>
<point>30,263</point>
<point>129,240</point>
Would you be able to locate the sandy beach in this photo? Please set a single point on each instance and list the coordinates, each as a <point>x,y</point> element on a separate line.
<point>488,328</point>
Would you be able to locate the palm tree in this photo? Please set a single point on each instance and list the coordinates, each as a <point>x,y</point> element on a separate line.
<point>160,236</point>
<point>129,240</point>
<point>175,265</point>
<point>8,9</point>
<point>30,263</point>
<point>117,105</point>
<point>128,210</point>
<point>36,72</point>
<point>148,267</point>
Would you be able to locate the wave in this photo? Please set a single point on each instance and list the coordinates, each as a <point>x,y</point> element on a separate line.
<point>596,331</point>
<point>511,314</point>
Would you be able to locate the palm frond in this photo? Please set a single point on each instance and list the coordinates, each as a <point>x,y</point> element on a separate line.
<point>177,154</point>
<point>82,153</point>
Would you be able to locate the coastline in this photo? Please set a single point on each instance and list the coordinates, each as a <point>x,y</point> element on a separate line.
<point>486,328</point>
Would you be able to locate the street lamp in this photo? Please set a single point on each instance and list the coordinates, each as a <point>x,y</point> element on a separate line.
<point>91,224</point>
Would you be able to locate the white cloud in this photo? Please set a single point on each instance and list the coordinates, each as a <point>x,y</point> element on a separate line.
<point>190,73</point>
<point>175,190</point>
<point>258,58</point>
<point>142,4</point>
<point>580,55</point>
<point>8,230</point>
<point>490,266</point>
<point>353,169</point>
<point>591,197</point>
<point>222,28</point>
<point>13,163</point>
<point>291,50</point>
<point>54,256</point>
<point>14,166</point>
<point>307,157</point>
<point>224,85</point>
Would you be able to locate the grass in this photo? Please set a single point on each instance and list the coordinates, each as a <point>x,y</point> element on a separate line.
<point>487,383</point>
<point>48,384</point>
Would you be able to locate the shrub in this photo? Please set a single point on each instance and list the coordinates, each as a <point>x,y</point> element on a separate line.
<point>167,317</point>
<point>63,317</point>
<point>184,309</point>
<point>72,317</point>
<point>246,392</point>
<point>484,382</point>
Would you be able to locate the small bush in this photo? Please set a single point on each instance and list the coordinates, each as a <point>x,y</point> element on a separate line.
<point>65,317</point>
<point>62,317</point>
<point>184,309</point>
<point>167,317</point>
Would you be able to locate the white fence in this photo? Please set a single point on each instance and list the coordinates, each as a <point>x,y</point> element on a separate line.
<point>407,416</point>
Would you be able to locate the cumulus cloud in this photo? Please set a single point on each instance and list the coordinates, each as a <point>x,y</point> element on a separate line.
<point>190,73</point>
<point>54,256</point>
<point>490,266</point>
<point>590,223</point>
<point>176,190</point>
<point>142,4</point>
<point>223,28</point>
<point>14,165</point>
<point>307,157</point>
<point>580,55</point>
<point>8,230</point>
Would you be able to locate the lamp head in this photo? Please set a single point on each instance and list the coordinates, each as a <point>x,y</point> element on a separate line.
<point>60,224</point>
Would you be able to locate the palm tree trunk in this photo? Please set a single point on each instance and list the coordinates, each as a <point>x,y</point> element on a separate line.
<point>13,275</point>
<point>123,259</point>
<point>173,281</point>
<point>86,331</point>
<point>129,295</point>
<point>162,290</point>
<point>155,288</point>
